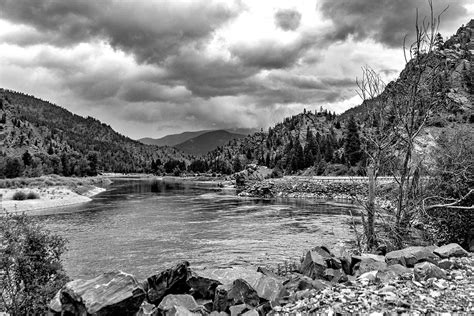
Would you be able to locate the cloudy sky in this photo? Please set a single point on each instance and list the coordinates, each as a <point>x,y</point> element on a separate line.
<point>150,68</point>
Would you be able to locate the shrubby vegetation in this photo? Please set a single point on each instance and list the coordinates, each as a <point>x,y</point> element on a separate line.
<point>30,266</point>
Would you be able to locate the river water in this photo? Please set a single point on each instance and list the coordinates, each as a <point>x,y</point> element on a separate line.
<point>144,226</point>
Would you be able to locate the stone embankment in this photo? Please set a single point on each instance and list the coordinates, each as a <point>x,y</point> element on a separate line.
<point>415,280</point>
<point>302,187</point>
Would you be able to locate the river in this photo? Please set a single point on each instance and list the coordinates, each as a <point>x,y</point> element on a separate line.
<point>144,226</point>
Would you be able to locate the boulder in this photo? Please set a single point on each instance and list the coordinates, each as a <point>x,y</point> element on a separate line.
<point>410,256</point>
<point>344,258</point>
<point>315,262</point>
<point>335,275</point>
<point>427,270</point>
<point>451,250</point>
<point>170,281</point>
<point>237,309</point>
<point>112,293</point>
<point>301,282</point>
<point>179,303</point>
<point>239,292</point>
<point>395,271</point>
<point>202,286</point>
<point>268,286</point>
<point>445,264</point>
<point>228,275</point>
<point>369,277</point>
<point>368,262</point>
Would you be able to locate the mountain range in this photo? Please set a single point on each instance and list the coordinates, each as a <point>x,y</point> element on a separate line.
<point>176,139</point>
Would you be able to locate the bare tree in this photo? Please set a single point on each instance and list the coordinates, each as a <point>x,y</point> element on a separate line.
<point>396,115</point>
<point>376,140</point>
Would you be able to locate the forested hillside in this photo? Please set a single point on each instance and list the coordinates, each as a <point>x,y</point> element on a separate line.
<point>441,93</point>
<point>37,137</point>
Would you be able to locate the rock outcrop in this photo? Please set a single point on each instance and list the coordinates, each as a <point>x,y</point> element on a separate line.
<point>170,281</point>
<point>410,256</point>
<point>450,250</point>
<point>113,293</point>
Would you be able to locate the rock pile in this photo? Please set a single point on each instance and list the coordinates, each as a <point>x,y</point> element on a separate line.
<point>423,279</point>
<point>305,188</point>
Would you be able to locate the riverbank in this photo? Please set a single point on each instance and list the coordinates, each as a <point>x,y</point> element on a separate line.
<point>49,197</point>
<point>32,194</point>
<point>419,280</point>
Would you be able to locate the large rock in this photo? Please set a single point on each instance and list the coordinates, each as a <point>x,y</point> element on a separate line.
<point>170,281</point>
<point>228,275</point>
<point>395,271</point>
<point>316,262</point>
<point>239,292</point>
<point>368,262</point>
<point>112,293</point>
<point>201,285</point>
<point>270,288</point>
<point>451,250</point>
<point>344,257</point>
<point>410,256</point>
<point>299,282</point>
<point>180,302</point>
<point>335,275</point>
<point>427,270</point>
<point>204,282</point>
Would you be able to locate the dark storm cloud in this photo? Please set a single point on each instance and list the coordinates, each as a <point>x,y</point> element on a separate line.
<point>288,20</point>
<point>272,54</point>
<point>208,76</point>
<point>385,21</point>
<point>149,30</point>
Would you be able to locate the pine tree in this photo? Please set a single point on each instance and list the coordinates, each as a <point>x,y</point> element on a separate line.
<point>27,158</point>
<point>439,42</point>
<point>352,147</point>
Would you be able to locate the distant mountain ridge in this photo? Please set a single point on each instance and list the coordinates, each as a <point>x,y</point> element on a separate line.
<point>207,142</point>
<point>176,139</point>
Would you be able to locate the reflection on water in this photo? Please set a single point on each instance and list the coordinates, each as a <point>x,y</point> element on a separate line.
<point>144,226</point>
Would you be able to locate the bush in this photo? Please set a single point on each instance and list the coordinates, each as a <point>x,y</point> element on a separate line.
<point>32,195</point>
<point>32,271</point>
<point>19,196</point>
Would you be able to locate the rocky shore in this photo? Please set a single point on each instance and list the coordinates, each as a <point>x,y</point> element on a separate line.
<point>417,280</point>
<point>306,187</point>
<point>51,197</point>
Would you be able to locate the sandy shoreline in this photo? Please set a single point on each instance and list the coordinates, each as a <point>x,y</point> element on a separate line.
<point>49,197</point>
